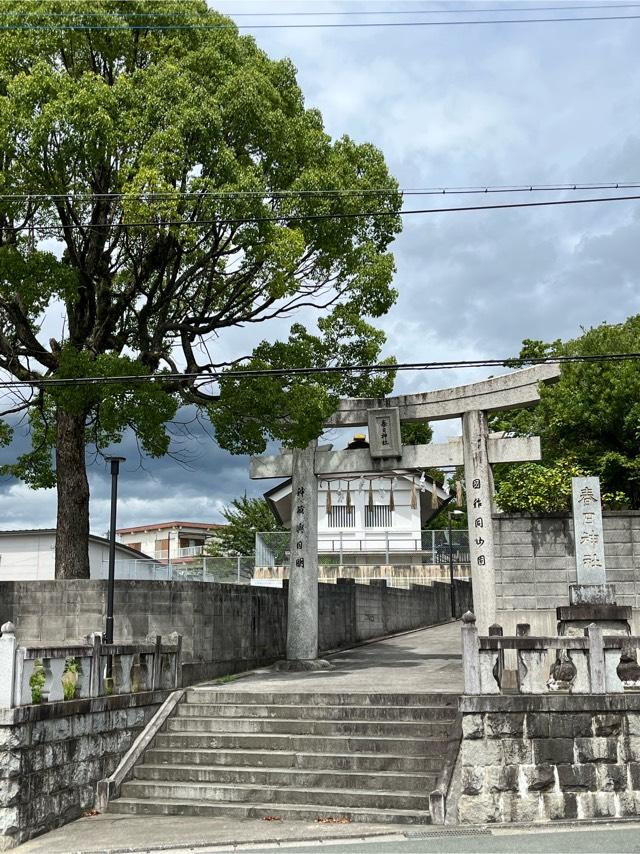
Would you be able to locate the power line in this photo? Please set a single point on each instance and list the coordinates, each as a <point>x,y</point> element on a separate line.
<point>519,9</point>
<point>284,194</point>
<point>215,376</point>
<point>360,24</point>
<point>291,218</point>
<point>363,13</point>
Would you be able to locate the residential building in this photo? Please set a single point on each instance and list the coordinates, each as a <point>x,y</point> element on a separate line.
<point>169,541</point>
<point>29,555</point>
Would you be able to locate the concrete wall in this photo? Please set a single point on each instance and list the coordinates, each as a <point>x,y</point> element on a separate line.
<point>52,756</point>
<point>536,563</point>
<point>226,628</point>
<point>544,758</point>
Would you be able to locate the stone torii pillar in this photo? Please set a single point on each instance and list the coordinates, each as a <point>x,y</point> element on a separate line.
<point>478,479</point>
<point>302,623</point>
<point>477,451</point>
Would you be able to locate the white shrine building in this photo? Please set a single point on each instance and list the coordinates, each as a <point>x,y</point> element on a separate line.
<point>367,518</point>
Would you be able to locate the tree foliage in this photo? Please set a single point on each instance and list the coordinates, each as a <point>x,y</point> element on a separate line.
<point>159,189</point>
<point>244,517</point>
<point>416,432</point>
<point>589,422</point>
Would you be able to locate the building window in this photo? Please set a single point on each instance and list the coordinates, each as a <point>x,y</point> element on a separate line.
<point>136,546</point>
<point>341,517</point>
<point>378,516</point>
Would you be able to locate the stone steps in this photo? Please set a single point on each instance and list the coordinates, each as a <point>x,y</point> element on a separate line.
<point>208,694</point>
<point>295,726</point>
<point>292,759</point>
<point>332,744</point>
<point>300,812</point>
<point>246,776</point>
<point>318,712</point>
<point>372,758</point>
<point>232,792</point>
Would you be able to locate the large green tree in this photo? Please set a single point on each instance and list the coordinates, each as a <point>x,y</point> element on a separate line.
<point>161,184</point>
<point>589,422</point>
<point>245,517</point>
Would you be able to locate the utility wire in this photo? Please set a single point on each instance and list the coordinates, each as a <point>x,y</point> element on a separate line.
<point>284,194</point>
<point>215,376</point>
<point>379,13</point>
<point>290,218</point>
<point>367,24</point>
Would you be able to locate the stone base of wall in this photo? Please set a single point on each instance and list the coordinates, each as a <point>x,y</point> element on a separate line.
<point>396,575</point>
<point>543,758</point>
<point>52,756</point>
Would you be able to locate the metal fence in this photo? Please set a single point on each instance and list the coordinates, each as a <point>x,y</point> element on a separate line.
<point>390,548</point>
<point>222,570</point>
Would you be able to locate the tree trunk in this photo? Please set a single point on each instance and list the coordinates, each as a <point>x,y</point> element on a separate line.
<point>72,535</point>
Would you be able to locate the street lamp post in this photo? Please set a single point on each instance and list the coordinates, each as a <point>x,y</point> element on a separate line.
<point>452,592</point>
<point>115,469</point>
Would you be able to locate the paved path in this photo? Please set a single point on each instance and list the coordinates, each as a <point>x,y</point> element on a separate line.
<point>426,661</point>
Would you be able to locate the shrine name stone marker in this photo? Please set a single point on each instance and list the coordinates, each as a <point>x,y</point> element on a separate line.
<point>591,600</point>
<point>587,523</point>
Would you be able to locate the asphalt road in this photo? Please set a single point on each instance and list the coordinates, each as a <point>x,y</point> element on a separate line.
<point>593,840</point>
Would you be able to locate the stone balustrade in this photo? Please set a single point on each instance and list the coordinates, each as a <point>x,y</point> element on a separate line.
<point>34,674</point>
<point>591,664</point>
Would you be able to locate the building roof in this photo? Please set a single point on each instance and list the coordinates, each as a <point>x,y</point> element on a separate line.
<point>161,526</point>
<point>93,538</point>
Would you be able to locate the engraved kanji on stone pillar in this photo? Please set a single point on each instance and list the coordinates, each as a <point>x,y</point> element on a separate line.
<point>479,488</point>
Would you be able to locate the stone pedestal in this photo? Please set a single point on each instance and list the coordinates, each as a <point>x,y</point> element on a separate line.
<point>610,618</point>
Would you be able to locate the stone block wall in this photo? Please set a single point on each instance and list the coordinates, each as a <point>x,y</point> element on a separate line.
<point>535,563</point>
<point>545,758</point>
<point>226,628</point>
<point>52,756</point>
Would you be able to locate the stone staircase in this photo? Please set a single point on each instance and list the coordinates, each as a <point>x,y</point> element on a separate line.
<point>363,757</point>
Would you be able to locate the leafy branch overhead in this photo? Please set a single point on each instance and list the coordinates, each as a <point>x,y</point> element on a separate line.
<point>159,190</point>
<point>589,423</point>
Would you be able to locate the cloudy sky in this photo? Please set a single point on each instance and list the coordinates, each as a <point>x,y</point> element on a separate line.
<point>503,104</point>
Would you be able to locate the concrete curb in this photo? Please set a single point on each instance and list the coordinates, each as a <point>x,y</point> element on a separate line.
<point>110,787</point>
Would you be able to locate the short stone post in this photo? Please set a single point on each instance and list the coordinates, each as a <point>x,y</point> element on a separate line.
<point>96,661</point>
<point>496,631</point>
<point>470,654</point>
<point>157,663</point>
<point>479,488</point>
<point>7,665</point>
<point>597,678</point>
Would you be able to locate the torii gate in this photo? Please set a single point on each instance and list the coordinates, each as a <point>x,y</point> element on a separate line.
<point>477,450</point>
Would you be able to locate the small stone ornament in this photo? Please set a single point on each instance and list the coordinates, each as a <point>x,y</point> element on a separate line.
<point>563,673</point>
<point>629,670</point>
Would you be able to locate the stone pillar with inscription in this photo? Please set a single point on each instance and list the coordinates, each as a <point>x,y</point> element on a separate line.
<point>591,600</point>
<point>302,619</point>
<point>479,488</point>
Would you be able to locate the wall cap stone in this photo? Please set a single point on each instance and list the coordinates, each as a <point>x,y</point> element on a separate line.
<point>573,703</point>
<point>88,705</point>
